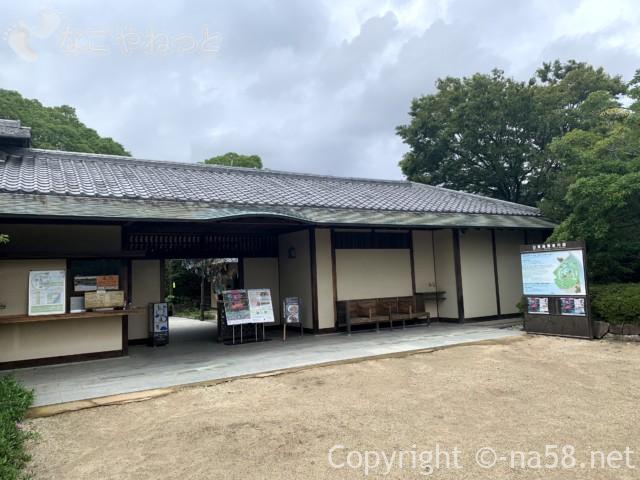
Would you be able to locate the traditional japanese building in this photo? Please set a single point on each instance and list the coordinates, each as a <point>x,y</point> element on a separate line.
<point>324,239</point>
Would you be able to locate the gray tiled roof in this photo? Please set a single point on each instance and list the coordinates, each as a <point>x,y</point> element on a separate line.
<point>37,171</point>
<point>13,133</point>
<point>59,206</point>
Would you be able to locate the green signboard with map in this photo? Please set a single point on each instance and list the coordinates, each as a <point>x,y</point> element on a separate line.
<point>555,286</point>
<point>557,272</point>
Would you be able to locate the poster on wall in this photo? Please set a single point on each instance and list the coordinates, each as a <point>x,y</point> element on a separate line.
<point>538,305</point>
<point>83,283</point>
<point>260,305</point>
<point>292,309</point>
<point>47,293</point>
<point>572,306</point>
<point>107,282</point>
<point>236,307</point>
<point>557,272</point>
<point>91,283</point>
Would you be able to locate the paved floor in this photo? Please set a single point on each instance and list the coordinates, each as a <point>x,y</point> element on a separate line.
<point>194,356</point>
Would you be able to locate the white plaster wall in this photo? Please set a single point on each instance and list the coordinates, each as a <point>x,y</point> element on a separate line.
<point>509,275</point>
<point>14,282</point>
<point>27,341</point>
<point>373,273</point>
<point>424,266</point>
<point>32,340</point>
<point>295,273</point>
<point>263,273</point>
<point>423,261</point>
<point>146,285</point>
<point>445,273</point>
<point>324,274</point>
<point>478,280</point>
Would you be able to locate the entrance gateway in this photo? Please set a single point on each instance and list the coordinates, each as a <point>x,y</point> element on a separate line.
<point>326,240</point>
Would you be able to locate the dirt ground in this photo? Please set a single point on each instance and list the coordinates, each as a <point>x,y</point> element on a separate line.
<point>520,395</point>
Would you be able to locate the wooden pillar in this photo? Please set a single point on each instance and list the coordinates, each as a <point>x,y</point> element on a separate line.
<point>458,272</point>
<point>495,270</point>
<point>314,280</point>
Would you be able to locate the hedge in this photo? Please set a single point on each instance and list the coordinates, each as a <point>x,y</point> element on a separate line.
<point>616,303</point>
<point>14,401</point>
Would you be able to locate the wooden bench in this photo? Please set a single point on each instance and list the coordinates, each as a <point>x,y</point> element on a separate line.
<point>377,310</point>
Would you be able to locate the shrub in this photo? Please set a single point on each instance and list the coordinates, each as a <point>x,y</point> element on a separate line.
<point>14,401</point>
<point>616,303</point>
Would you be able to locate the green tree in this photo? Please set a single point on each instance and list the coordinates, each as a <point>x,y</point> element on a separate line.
<point>489,134</point>
<point>597,197</point>
<point>55,128</point>
<point>232,159</point>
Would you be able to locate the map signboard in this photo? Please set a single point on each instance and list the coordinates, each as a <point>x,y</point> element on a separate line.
<point>555,286</point>
<point>556,272</point>
<point>47,293</point>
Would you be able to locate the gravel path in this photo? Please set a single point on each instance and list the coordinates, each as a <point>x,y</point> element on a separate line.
<point>514,395</point>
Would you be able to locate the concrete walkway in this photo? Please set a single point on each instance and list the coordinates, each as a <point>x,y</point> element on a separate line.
<point>193,356</point>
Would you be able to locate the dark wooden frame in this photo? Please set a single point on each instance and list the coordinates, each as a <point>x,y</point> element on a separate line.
<point>458,272</point>
<point>495,270</point>
<point>314,280</point>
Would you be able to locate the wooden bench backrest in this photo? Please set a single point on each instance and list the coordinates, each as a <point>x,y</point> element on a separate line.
<point>379,305</point>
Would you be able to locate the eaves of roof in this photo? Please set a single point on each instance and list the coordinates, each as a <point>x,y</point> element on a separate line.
<point>62,207</point>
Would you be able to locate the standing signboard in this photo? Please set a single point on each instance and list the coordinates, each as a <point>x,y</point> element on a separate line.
<point>243,307</point>
<point>554,282</point>
<point>291,307</point>
<point>47,292</point>
<point>236,307</point>
<point>260,305</point>
<point>158,324</point>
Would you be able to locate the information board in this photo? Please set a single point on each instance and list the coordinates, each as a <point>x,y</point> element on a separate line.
<point>248,306</point>
<point>236,307</point>
<point>538,305</point>
<point>291,310</point>
<point>572,306</point>
<point>260,305</point>
<point>47,294</point>
<point>557,272</point>
<point>555,286</point>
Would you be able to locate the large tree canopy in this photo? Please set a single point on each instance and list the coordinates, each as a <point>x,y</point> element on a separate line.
<point>489,134</point>
<point>55,128</point>
<point>232,159</point>
<point>597,197</point>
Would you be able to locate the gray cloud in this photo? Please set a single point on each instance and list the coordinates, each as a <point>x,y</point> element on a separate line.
<point>308,87</point>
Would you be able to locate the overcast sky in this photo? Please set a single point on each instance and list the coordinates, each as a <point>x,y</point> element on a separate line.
<point>309,86</point>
